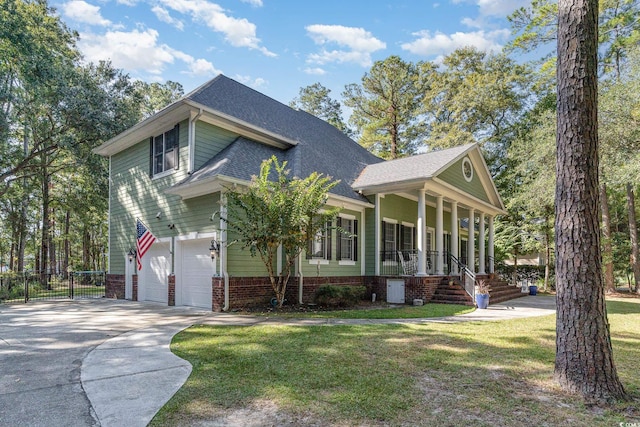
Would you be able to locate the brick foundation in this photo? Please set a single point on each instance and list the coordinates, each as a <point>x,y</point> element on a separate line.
<point>171,289</point>
<point>114,286</point>
<point>415,287</point>
<point>254,291</point>
<point>134,286</point>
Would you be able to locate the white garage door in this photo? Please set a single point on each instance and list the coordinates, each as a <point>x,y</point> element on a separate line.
<point>156,266</point>
<point>195,272</point>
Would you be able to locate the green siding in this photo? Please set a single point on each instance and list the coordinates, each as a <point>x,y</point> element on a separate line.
<point>210,140</point>
<point>370,223</point>
<point>240,263</point>
<point>453,175</point>
<point>135,195</point>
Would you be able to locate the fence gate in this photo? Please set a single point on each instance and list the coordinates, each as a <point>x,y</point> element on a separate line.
<point>32,286</point>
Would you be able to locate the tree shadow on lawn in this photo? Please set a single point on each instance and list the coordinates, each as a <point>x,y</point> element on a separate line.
<point>484,373</point>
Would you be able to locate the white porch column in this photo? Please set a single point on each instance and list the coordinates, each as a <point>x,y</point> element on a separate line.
<point>472,241</point>
<point>421,233</point>
<point>376,246</point>
<point>481,235</point>
<point>491,247</point>
<point>439,235</point>
<point>454,236</point>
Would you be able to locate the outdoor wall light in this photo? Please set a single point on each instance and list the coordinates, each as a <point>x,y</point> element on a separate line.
<point>132,254</point>
<point>214,249</point>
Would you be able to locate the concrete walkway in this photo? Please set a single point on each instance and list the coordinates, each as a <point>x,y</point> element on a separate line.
<point>148,374</point>
<point>108,363</point>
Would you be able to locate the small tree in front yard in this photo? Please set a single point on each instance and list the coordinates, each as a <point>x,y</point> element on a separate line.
<point>278,211</point>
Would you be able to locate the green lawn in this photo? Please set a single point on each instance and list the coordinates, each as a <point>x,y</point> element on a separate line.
<point>398,312</point>
<point>480,373</point>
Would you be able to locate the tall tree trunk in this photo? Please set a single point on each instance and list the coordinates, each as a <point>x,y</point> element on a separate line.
<point>65,262</point>
<point>633,236</point>
<point>52,246</point>
<point>584,357</point>
<point>45,238</point>
<point>547,264</point>
<point>86,250</point>
<point>607,248</point>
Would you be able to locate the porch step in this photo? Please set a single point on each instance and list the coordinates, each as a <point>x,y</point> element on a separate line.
<point>502,291</point>
<point>451,294</point>
<point>455,294</point>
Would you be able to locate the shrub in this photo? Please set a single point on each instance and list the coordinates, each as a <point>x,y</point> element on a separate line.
<point>339,296</point>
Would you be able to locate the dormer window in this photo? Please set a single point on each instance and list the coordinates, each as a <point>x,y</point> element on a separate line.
<point>164,152</point>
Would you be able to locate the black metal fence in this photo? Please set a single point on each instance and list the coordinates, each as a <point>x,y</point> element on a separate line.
<point>30,286</point>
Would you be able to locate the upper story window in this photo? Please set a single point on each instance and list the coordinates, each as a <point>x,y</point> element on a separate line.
<point>347,248</point>
<point>164,151</point>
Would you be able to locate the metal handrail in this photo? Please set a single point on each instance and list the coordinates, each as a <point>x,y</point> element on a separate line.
<point>467,277</point>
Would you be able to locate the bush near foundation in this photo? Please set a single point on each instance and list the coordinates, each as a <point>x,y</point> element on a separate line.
<point>339,296</point>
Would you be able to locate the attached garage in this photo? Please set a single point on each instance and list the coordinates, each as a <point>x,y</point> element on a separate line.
<point>156,267</point>
<point>194,269</point>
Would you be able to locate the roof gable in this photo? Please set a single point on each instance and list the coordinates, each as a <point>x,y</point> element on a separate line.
<point>438,171</point>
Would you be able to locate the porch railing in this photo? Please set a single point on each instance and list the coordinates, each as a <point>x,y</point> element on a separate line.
<point>405,263</point>
<point>467,277</point>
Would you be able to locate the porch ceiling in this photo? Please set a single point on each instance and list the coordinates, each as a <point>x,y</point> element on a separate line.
<point>434,187</point>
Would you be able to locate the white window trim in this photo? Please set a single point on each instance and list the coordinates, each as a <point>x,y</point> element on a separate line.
<point>389,220</point>
<point>464,162</point>
<point>339,237</point>
<point>163,174</point>
<point>318,261</point>
<point>176,147</point>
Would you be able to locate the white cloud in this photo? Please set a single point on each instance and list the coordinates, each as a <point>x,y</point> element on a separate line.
<point>359,44</point>
<point>163,15</point>
<point>139,51</point>
<point>237,32</point>
<point>256,3</point>
<point>499,8</point>
<point>488,9</point>
<point>439,43</point>
<point>82,11</point>
<point>247,80</point>
<point>315,71</point>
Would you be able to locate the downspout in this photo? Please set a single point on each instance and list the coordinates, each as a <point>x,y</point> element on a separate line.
<point>300,280</point>
<point>223,250</point>
<point>192,141</point>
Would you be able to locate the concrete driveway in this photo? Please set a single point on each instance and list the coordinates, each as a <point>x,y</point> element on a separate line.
<point>108,363</point>
<point>43,345</point>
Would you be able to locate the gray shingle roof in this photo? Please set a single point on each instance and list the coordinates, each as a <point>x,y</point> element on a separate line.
<point>321,147</point>
<point>422,166</point>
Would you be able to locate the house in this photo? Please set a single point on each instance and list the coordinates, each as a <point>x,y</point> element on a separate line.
<point>171,171</point>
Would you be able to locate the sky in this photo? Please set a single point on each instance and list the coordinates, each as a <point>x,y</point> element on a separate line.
<point>278,46</point>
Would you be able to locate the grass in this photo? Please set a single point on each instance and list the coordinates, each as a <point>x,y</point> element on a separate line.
<point>397,312</point>
<point>445,374</point>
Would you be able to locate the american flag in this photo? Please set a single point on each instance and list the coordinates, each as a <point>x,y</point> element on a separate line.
<point>144,241</point>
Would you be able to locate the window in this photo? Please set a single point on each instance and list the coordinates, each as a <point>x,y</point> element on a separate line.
<point>320,245</point>
<point>164,152</point>
<point>467,169</point>
<point>347,249</point>
<point>407,233</point>
<point>389,237</point>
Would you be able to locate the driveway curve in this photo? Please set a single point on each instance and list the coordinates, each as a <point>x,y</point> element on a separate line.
<point>44,347</point>
<point>108,362</point>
